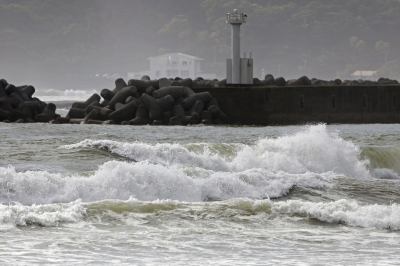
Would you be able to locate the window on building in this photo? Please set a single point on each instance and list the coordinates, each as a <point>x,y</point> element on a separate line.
<point>172,60</point>
<point>158,73</point>
<point>184,73</point>
<point>333,101</point>
<point>184,63</point>
<point>172,73</point>
<point>301,102</point>
<point>364,101</point>
<point>394,101</point>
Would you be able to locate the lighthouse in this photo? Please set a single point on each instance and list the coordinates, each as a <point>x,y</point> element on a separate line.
<point>239,71</point>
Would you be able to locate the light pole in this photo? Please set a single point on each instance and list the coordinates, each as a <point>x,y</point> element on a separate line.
<point>238,69</point>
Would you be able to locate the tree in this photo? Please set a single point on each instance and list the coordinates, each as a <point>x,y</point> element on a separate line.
<point>390,70</point>
<point>359,45</point>
<point>383,48</point>
<point>353,42</point>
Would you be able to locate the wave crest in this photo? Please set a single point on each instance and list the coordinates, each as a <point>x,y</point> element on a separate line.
<point>148,182</point>
<point>312,150</point>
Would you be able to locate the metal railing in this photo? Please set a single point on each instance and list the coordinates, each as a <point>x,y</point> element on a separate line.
<point>236,17</point>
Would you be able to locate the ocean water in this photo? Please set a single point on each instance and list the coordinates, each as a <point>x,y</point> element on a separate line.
<point>201,195</point>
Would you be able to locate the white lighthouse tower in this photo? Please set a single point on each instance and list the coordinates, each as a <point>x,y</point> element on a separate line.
<point>239,71</point>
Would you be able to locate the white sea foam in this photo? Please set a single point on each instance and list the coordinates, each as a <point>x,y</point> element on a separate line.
<point>77,92</point>
<point>344,211</point>
<point>195,172</point>
<point>64,95</point>
<point>62,111</point>
<point>145,181</point>
<point>43,215</point>
<point>313,150</point>
<point>198,172</point>
<point>339,212</point>
<point>336,212</point>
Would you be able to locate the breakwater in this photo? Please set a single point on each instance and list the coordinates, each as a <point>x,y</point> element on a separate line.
<point>18,105</point>
<point>187,102</point>
<point>292,105</point>
<point>149,102</point>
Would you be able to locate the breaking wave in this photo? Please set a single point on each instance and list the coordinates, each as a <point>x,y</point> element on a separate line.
<point>313,150</point>
<point>174,177</point>
<point>115,211</point>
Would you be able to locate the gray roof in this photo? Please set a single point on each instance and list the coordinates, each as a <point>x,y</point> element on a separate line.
<point>176,54</point>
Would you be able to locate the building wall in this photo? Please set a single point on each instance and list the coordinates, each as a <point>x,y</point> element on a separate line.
<point>176,66</point>
<point>281,105</point>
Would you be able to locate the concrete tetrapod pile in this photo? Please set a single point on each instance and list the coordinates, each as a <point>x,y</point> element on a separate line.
<point>18,105</point>
<point>144,102</point>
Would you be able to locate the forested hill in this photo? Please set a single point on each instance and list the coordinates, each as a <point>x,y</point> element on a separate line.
<point>48,39</point>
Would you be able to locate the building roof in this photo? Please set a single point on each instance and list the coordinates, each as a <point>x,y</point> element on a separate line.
<point>176,54</point>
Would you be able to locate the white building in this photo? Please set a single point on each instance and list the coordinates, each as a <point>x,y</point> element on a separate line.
<point>175,65</point>
<point>364,74</point>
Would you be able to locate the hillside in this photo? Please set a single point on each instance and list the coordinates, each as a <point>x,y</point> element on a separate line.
<point>58,41</point>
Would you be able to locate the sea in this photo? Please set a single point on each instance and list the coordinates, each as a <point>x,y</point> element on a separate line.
<point>311,194</point>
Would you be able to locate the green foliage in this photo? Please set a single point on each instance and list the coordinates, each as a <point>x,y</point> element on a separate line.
<point>346,72</point>
<point>390,70</point>
<point>382,47</point>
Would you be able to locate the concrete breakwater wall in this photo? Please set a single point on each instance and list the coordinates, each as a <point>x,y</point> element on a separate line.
<point>188,102</point>
<point>290,105</point>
